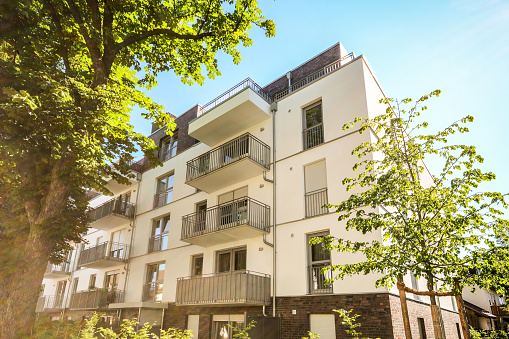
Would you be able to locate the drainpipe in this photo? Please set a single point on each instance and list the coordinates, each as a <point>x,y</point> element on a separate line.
<point>133,228</point>
<point>273,108</point>
<point>265,235</point>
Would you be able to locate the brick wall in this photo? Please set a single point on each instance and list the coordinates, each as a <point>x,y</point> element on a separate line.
<point>421,310</point>
<point>374,311</point>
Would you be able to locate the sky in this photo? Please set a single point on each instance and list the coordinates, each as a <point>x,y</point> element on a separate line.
<point>414,47</point>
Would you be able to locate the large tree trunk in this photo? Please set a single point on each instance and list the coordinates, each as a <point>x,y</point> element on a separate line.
<point>21,289</point>
<point>404,308</point>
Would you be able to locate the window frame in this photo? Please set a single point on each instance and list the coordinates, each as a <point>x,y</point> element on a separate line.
<point>305,127</point>
<point>319,263</point>
<point>232,252</point>
<point>193,265</point>
<point>168,145</point>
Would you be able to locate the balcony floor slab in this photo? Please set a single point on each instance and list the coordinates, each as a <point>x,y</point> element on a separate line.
<point>229,234</point>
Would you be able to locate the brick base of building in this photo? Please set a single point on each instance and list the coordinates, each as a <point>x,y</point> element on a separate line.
<point>380,315</point>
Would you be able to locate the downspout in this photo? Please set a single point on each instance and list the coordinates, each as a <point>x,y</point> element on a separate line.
<point>265,235</point>
<point>133,228</point>
<point>273,107</point>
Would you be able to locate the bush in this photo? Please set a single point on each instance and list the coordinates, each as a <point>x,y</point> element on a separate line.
<point>478,334</point>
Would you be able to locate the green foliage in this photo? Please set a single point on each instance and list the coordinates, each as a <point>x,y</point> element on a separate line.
<point>242,333</point>
<point>479,334</point>
<point>349,322</point>
<point>45,328</point>
<point>437,226</point>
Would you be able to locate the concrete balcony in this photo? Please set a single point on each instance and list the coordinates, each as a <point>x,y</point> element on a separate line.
<point>111,214</point>
<point>57,271</point>
<point>238,288</point>
<point>239,219</point>
<point>236,160</point>
<point>95,299</point>
<point>49,303</point>
<point>105,255</point>
<point>239,108</point>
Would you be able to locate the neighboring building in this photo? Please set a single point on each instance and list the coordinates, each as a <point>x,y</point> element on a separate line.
<point>198,252</point>
<point>485,309</point>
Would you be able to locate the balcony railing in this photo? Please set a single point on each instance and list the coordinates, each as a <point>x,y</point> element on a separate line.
<point>244,146</point>
<point>153,291</point>
<point>114,206</point>
<point>242,211</point>
<point>247,83</point>
<point>163,198</point>
<point>315,201</point>
<point>62,268</point>
<point>49,302</point>
<point>105,251</point>
<point>158,243</point>
<point>243,287</point>
<point>99,298</point>
<point>499,311</point>
<point>315,76</point>
<point>317,277</point>
<point>313,136</point>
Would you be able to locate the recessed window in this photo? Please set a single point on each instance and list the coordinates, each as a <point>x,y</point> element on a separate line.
<point>92,281</point>
<point>159,238</point>
<point>164,191</point>
<point>197,265</point>
<point>318,261</point>
<point>422,328</point>
<point>313,126</point>
<point>153,289</point>
<point>315,182</point>
<point>169,147</point>
<point>231,260</point>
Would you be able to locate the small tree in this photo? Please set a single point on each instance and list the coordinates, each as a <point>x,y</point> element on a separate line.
<point>435,226</point>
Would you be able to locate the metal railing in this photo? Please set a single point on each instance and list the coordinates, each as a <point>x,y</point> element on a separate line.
<point>49,302</point>
<point>153,291</point>
<point>317,278</point>
<point>315,201</point>
<point>242,211</point>
<point>499,311</point>
<point>313,136</point>
<point>163,198</point>
<point>115,206</point>
<point>62,268</point>
<point>314,76</point>
<point>247,83</point>
<point>99,298</point>
<point>232,287</point>
<point>158,242</point>
<point>244,146</point>
<point>104,251</point>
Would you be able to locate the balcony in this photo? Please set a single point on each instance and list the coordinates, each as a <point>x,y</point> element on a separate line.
<point>57,271</point>
<point>104,255</point>
<point>239,108</point>
<point>240,288</point>
<point>499,311</point>
<point>235,220</point>
<point>315,201</point>
<point>49,303</point>
<point>111,214</point>
<point>239,159</point>
<point>94,299</point>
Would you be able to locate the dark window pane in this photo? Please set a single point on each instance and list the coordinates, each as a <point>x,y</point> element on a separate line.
<point>223,264</point>
<point>314,116</point>
<point>197,265</point>
<point>318,252</point>
<point>240,260</point>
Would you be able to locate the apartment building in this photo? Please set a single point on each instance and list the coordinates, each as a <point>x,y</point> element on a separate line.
<point>192,244</point>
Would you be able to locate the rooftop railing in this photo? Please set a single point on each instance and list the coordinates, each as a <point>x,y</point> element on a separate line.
<point>244,146</point>
<point>115,206</point>
<point>247,83</point>
<point>314,76</point>
<point>244,287</point>
<point>242,211</point>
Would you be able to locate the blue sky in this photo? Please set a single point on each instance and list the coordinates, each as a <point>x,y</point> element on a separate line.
<point>414,47</point>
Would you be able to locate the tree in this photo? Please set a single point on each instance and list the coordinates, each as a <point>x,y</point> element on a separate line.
<point>70,73</point>
<point>437,227</point>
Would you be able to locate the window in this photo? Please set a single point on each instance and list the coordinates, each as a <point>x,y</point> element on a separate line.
<point>233,207</point>
<point>315,183</point>
<point>458,330</point>
<point>231,260</point>
<point>318,259</point>
<point>197,265</point>
<point>169,147</point>
<point>159,237</point>
<point>92,281</point>
<point>117,249</point>
<point>201,217</point>
<point>153,290</point>
<point>75,284</point>
<point>222,325</point>
<point>422,328</point>
<point>164,192</point>
<point>414,285</point>
<point>111,280</point>
<point>313,126</point>
<point>60,294</point>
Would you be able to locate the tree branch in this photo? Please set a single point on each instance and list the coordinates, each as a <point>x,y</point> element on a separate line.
<point>160,31</point>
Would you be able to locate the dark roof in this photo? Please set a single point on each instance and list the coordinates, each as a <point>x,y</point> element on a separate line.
<point>478,310</point>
